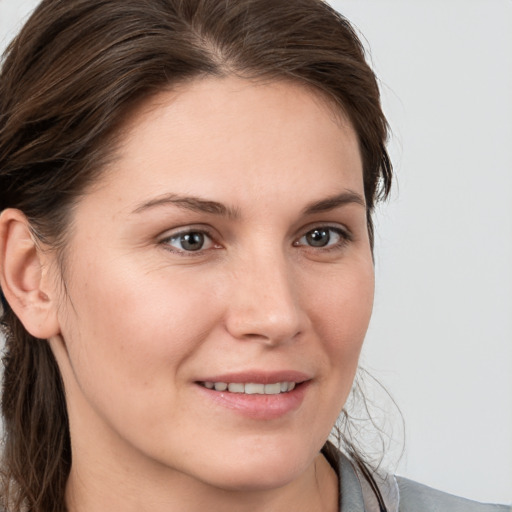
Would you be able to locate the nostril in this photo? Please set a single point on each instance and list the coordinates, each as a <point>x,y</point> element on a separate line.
<point>271,336</point>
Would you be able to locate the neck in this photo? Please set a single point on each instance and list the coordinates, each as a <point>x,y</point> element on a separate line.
<point>96,487</point>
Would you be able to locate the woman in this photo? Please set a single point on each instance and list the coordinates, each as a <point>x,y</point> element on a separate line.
<point>186,190</point>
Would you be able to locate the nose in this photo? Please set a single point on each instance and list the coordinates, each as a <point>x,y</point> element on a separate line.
<point>265,303</point>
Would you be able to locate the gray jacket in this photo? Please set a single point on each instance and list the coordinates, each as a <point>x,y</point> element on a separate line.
<point>400,495</point>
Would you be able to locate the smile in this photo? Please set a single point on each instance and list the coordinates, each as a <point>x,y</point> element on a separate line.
<point>251,388</point>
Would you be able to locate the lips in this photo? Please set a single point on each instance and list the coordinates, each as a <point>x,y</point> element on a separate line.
<point>255,394</point>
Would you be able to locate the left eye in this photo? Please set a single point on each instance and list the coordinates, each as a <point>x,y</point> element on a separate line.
<point>322,237</point>
<point>190,241</point>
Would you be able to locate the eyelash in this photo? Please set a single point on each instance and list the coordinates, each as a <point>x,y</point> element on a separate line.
<point>344,238</point>
<point>179,238</point>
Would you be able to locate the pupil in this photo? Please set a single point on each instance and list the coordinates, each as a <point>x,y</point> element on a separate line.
<point>318,237</point>
<point>192,241</point>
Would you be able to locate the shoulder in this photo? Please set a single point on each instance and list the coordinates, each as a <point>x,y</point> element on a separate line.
<point>366,491</point>
<point>415,497</point>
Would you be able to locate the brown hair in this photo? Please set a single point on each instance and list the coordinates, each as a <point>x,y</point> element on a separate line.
<point>68,80</point>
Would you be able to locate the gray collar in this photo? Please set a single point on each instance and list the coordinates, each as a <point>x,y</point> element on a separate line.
<point>356,495</point>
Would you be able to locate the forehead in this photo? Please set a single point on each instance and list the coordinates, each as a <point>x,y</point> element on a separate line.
<point>240,134</point>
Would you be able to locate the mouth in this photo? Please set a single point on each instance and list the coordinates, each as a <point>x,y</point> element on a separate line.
<point>268,400</point>
<point>256,394</point>
<point>251,388</point>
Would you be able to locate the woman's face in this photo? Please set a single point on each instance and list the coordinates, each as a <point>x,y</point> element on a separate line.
<point>225,246</point>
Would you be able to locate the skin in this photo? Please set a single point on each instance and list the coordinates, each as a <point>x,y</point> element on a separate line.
<point>142,320</point>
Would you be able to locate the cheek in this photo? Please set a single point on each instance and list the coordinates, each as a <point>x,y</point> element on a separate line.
<point>340,317</point>
<point>342,313</point>
<point>134,328</point>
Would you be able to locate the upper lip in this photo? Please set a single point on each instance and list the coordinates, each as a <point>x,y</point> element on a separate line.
<point>258,377</point>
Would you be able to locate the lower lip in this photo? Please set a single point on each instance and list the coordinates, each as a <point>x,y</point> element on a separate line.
<point>259,407</point>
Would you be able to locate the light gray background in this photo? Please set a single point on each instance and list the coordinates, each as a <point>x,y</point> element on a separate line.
<point>441,336</point>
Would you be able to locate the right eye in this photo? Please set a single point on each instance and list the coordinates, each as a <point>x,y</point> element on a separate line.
<point>189,241</point>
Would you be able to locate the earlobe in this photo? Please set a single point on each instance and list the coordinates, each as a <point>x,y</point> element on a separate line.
<point>23,278</point>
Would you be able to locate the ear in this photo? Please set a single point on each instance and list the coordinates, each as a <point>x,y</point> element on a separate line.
<point>24,276</point>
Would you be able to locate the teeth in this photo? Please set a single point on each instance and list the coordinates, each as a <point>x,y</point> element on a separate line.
<point>236,388</point>
<point>254,389</point>
<point>251,388</point>
<point>272,389</point>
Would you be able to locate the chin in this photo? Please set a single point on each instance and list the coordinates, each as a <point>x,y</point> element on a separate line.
<point>257,469</point>
<point>255,478</point>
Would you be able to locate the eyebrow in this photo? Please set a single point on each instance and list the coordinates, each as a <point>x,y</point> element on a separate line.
<point>194,204</point>
<point>199,205</point>
<point>333,202</point>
